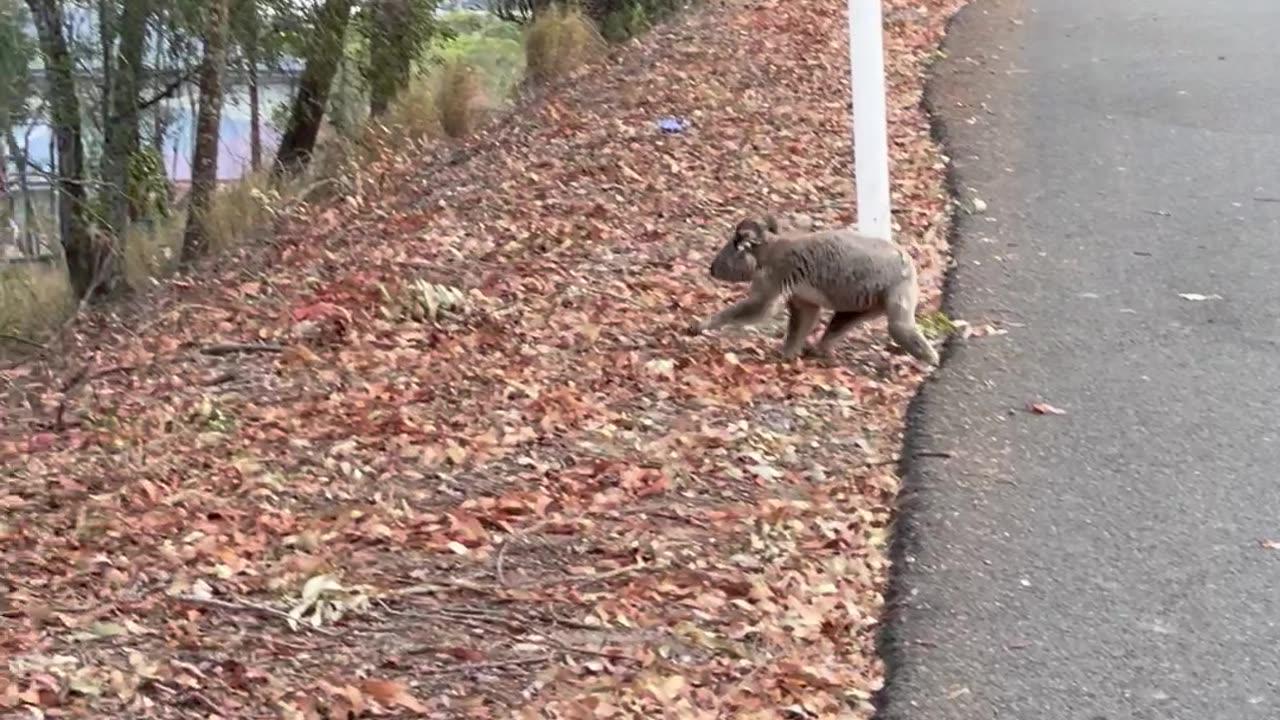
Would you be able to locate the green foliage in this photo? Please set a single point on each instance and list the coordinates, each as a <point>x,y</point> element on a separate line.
<point>936,325</point>
<point>618,19</point>
<point>493,47</point>
<point>484,25</point>
<point>626,22</point>
<point>16,52</point>
<point>148,185</point>
<point>397,34</point>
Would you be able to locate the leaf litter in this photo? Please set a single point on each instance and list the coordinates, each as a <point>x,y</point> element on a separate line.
<point>455,458</point>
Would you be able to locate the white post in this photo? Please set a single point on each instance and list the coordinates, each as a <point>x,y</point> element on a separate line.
<point>870,118</point>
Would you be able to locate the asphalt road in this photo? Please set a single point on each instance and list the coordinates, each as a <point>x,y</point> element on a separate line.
<point>1106,563</point>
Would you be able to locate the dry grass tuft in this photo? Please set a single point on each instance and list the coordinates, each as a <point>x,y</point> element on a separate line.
<point>459,97</point>
<point>151,250</point>
<point>35,298</point>
<point>241,210</point>
<point>558,41</point>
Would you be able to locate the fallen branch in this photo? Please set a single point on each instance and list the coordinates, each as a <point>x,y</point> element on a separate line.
<point>77,381</point>
<point>23,341</point>
<point>491,665</point>
<point>585,579</point>
<point>244,606</point>
<point>233,348</point>
<point>914,456</point>
<point>501,555</point>
<point>435,586</point>
<point>221,378</point>
<point>512,630</point>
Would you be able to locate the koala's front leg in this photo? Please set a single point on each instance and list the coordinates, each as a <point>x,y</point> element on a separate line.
<point>804,316</point>
<point>744,312</point>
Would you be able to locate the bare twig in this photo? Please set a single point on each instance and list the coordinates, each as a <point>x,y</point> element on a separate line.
<point>585,579</point>
<point>436,586</point>
<point>165,93</point>
<point>77,381</point>
<point>244,606</point>
<point>221,378</point>
<point>491,665</point>
<point>232,348</point>
<point>898,458</point>
<point>501,555</point>
<point>512,630</point>
<point>23,341</point>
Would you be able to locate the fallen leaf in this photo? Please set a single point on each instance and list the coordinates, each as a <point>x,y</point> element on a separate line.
<point>392,694</point>
<point>1043,408</point>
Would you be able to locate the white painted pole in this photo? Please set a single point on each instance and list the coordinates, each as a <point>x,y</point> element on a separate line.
<point>870,118</point>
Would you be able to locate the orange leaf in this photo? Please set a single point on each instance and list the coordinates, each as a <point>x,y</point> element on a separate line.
<point>1042,408</point>
<point>392,693</point>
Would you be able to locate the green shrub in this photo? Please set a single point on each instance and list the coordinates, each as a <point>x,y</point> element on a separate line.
<point>626,22</point>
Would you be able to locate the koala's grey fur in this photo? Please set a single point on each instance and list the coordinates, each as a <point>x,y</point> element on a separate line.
<point>856,276</point>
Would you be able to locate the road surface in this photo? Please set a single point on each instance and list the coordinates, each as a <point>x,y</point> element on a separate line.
<point>1104,564</point>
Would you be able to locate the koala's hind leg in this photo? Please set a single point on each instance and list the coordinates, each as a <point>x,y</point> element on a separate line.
<point>842,323</point>
<point>900,307</point>
<point>803,316</point>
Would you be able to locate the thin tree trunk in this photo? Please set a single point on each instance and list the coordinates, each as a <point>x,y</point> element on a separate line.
<point>390,58</point>
<point>204,166</point>
<point>122,133</point>
<point>255,116</point>
<point>19,153</point>
<point>83,260</point>
<point>7,217</point>
<point>106,41</point>
<point>307,112</point>
<point>246,30</point>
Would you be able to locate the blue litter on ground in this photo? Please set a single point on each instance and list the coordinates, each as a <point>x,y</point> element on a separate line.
<point>672,125</point>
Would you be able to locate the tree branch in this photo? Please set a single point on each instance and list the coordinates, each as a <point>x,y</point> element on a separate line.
<point>169,91</point>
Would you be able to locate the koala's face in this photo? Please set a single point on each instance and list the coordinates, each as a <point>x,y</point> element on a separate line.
<point>736,261</point>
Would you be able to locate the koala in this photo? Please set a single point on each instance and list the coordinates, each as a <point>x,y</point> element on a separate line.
<point>837,269</point>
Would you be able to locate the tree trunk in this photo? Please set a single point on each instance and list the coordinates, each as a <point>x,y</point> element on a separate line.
<point>246,29</point>
<point>122,132</point>
<point>255,115</point>
<point>83,259</point>
<point>390,53</point>
<point>204,166</point>
<point>8,227</point>
<point>27,244</point>
<point>307,112</point>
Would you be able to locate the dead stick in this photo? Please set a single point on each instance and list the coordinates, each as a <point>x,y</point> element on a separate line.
<point>77,381</point>
<point>23,341</point>
<point>252,607</point>
<point>584,579</point>
<point>898,458</point>
<point>233,348</point>
<point>500,556</point>
<point>438,585</point>
<point>491,665</point>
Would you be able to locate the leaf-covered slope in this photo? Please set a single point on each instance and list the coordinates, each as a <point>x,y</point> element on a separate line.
<point>546,502</point>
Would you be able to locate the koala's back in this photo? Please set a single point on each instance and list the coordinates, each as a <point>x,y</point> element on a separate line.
<point>838,269</point>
